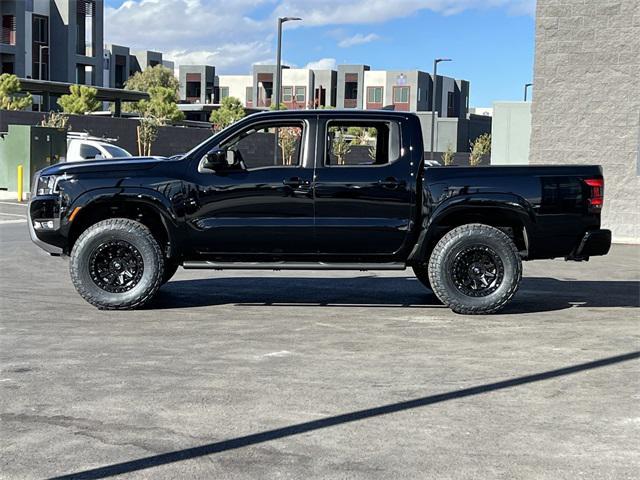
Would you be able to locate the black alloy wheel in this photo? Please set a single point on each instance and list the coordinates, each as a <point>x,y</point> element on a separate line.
<point>116,266</point>
<point>477,271</point>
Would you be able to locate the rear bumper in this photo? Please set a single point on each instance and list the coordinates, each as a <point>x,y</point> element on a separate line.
<point>593,244</point>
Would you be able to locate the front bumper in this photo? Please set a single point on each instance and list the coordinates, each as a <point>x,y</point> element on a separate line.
<point>49,240</point>
<point>594,243</point>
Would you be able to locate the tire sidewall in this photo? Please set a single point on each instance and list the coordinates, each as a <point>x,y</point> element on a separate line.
<point>486,236</point>
<point>81,259</point>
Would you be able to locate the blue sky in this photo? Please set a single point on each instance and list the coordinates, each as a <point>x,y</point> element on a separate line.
<point>490,41</point>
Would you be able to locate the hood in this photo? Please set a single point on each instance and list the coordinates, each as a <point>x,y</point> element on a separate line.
<point>111,165</point>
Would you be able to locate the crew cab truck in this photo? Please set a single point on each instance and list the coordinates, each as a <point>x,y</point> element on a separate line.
<point>301,190</point>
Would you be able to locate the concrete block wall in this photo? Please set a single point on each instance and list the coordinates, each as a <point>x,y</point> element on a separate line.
<point>586,98</point>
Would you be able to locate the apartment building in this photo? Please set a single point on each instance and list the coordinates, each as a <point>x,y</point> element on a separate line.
<point>119,63</point>
<point>58,40</point>
<point>197,83</point>
<point>350,86</point>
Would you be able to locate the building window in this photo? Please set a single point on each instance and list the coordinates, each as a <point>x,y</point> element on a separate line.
<point>224,93</point>
<point>193,89</point>
<point>287,94</point>
<point>265,89</point>
<point>84,74</point>
<point>85,22</point>
<point>248,92</point>
<point>451,105</point>
<point>401,95</point>
<point>8,30</point>
<point>40,47</point>
<point>301,94</point>
<point>374,94</point>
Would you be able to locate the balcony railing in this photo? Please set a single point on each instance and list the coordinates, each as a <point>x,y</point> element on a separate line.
<point>8,36</point>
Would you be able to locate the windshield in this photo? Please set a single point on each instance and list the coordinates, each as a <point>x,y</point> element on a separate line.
<point>116,152</point>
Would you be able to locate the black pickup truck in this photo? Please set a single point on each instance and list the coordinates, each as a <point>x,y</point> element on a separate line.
<point>314,190</point>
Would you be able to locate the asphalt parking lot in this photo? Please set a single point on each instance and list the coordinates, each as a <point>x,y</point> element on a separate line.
<point>332,375</point>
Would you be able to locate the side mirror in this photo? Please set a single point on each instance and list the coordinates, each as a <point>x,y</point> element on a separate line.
<point>218,159</point>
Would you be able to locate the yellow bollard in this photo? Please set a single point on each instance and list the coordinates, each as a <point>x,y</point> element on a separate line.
<point>20,175</point>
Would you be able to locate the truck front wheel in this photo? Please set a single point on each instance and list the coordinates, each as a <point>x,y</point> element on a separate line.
<point>475,269</point>
<point>117,264</point>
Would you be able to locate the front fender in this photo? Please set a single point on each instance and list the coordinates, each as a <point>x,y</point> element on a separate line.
<point>170,209</point>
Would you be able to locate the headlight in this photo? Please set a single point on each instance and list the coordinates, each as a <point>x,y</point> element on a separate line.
<point>47,185</point>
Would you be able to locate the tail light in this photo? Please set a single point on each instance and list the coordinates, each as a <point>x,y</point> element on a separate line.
<point>596,194</point>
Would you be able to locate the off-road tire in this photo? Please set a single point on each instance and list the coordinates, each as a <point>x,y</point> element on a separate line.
<point>124,230</point>
<point>422,274</point>
<point>170,269</point>
<point>443,258</point>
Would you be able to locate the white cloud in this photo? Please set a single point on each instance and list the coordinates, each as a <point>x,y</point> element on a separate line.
<point>337,12</point>
<point>323,64</point>
<point>232,35</point>
<point>358,39</point>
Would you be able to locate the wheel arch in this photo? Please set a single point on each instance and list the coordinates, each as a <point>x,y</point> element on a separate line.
<point>509,213</point>
<point>147,207</point>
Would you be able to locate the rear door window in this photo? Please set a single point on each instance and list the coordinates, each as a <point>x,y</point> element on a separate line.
<point>357,143</point>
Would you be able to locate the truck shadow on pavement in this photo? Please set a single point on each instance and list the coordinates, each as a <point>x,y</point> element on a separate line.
<point>171,457</point>
<point>536,294</point>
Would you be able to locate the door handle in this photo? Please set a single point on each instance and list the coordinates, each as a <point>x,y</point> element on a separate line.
<point>293,182</point>
<point>390,183</point>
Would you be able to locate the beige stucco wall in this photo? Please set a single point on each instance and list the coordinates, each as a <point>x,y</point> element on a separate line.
<point>586,98</point>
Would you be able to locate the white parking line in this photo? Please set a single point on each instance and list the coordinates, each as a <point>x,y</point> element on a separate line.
<point>14,203</point>
<point>3,222</point>
<point>13,215</point>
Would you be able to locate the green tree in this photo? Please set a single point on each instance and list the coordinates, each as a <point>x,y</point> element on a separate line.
<point>230,111</point>
<point>56,120</point>
<point>282,106</point>
<point>10,96</point>
<point>288,138</point>
<point>158,76</point>
<point>147,132</point>
<point>150,77</point>
<point>162,106</point>
<point>81,100</point>
<point>340,146</point>
<point>479,147</point>
<point>447,155</point>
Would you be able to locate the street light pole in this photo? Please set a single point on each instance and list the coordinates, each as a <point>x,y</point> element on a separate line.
<point>526,85</point>
<point>281,20</point>
<point>433,100</point>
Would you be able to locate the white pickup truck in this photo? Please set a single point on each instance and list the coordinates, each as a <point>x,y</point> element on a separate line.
<point>82,147</point>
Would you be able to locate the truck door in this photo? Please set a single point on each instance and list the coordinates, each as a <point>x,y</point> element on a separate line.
<point>363,186</point>
<point>261,202</point>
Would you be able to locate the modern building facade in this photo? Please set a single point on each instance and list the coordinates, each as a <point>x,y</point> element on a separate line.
<point>59,40</point>
<point>197,83</point>
<point>350,86</point>
<point>586,98</point>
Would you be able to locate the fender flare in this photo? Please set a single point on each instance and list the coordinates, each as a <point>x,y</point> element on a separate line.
<point>480,204</point>
<point>132,195</point>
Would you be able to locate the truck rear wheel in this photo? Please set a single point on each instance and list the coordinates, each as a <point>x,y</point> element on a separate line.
<point>117,264</point>
<point>475,269</point>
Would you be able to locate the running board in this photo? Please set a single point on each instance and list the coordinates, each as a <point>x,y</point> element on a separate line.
<point>206,265</point>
